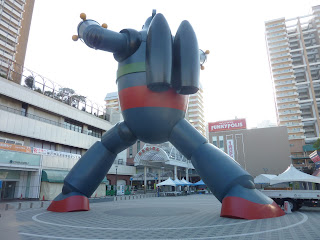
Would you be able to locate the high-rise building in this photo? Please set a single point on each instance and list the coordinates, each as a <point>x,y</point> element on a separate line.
<point>112,101</point>
<point>293,47</point>
<point>15,21</point>
<point>195,112</point>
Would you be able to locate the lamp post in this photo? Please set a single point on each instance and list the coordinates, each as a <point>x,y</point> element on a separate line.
<point>162,170</point>
<point>116,192</point>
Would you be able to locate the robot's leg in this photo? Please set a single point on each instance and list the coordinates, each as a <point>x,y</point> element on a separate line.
<point>227,180</point>
<point>89,171</point>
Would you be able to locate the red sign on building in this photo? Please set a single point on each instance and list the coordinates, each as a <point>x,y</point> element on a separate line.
<point>227,125</point>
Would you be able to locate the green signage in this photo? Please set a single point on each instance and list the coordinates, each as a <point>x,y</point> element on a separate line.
<point>19,158</point>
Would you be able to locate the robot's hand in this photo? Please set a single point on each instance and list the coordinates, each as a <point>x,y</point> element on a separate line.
<point>84,24</point>
<point>203,57</point>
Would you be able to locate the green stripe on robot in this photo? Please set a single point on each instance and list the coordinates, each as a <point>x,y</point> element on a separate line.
<point>131,68</point>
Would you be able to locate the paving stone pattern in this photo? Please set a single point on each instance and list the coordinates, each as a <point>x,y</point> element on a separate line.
<point>183,217</point>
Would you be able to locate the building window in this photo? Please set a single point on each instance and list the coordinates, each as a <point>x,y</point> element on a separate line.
<point>72,125</point>
<point>221,142</point>
<point>24,109</point>
<point>138,145</point>
<point>130,151</point>
<point>95,132</point>
<point>214,141</point>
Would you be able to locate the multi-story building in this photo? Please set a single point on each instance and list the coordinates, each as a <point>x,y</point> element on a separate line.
<point>258,150</point>
<point>15,21</point>
<point>294,57</point>
<point>43,134</point>
<point>112,101</point>
<point>195,112</point>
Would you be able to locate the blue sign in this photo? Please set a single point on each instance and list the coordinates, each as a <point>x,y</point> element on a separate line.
<point>155,178</point>
<point>0,184</point>
<point>131,178</point>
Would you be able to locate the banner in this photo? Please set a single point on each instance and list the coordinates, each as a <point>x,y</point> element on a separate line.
<point>17,148</point>
<point>314,156</point>
<point>227,125</point>
<point>230,148</point>
<point>42,151</point>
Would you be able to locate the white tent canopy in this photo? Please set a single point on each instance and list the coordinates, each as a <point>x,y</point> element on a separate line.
<point>185,182</point>
<point>178,182</point>
<point>264,178</point>
<point>168,182</point>
<point>294,175</point>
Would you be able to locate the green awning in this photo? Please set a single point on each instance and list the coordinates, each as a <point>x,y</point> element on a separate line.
<point>53,176</point>
<point>308,148</point>
<point>57,176</point>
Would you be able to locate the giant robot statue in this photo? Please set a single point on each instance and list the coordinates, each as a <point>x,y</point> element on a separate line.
<point>156,73</point>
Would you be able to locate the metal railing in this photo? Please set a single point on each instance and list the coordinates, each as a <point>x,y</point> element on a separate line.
<point>36,82</point>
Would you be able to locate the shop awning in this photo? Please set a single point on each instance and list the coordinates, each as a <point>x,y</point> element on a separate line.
<point>57,176</point>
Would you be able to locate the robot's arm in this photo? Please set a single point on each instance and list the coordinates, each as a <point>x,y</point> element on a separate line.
<point>121,44</point>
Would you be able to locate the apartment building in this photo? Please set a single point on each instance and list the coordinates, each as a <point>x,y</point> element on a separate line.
<point>195,112</point>
<point>43,135</point>
<point>293,47</point>
<point>15,21</point>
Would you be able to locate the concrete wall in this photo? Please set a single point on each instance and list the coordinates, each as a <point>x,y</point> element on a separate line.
<point>27,127</point>
<point>261,150</point>
<point>23,94</point>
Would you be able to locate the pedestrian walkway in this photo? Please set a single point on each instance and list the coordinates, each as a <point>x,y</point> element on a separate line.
<point>182,217</point>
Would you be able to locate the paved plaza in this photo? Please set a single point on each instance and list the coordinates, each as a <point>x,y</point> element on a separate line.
<point>183,217</point>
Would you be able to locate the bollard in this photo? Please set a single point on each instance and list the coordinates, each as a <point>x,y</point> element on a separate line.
<point>31,204</point>
<point>19,207</point>
<point>125,198</point>
<point>41,205</point>
<point>129,197</point>
<point>7,207</point>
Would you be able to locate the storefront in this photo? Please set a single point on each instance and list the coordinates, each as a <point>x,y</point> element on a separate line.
<point>52,183</point>
<point>20,174</point>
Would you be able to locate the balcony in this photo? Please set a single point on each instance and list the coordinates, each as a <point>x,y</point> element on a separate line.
<point>288,106</point>
<point>281,66</point>
<point>289,112</point>
<point>287,94</point>
<point>274,35</point>
<point>292,137</point>
<point>285,83</point>
<point>275,45</point>
<point>11,19</point>
<point>285,119</point>
<point>278,39</point>
<point>275,25</point>
<point>284,89</point>
<point>280,55</point>
<point>296,130</point>
<point>284,77</point>
<point>12,10</point>
<point>286,100</point>
<point>281,61</point>
<point>276,30</point>
<point>293,124</point>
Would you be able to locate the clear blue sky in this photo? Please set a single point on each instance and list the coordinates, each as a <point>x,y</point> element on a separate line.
<point>236,80</point>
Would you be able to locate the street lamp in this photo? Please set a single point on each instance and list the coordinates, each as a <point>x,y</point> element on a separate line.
<point>162,171</point>
<point>116,180</point>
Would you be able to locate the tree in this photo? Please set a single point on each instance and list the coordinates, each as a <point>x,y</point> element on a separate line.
<point>29,81</point>
<point>316,145</point>
<point>76,99</point>
<point>65,94</point>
